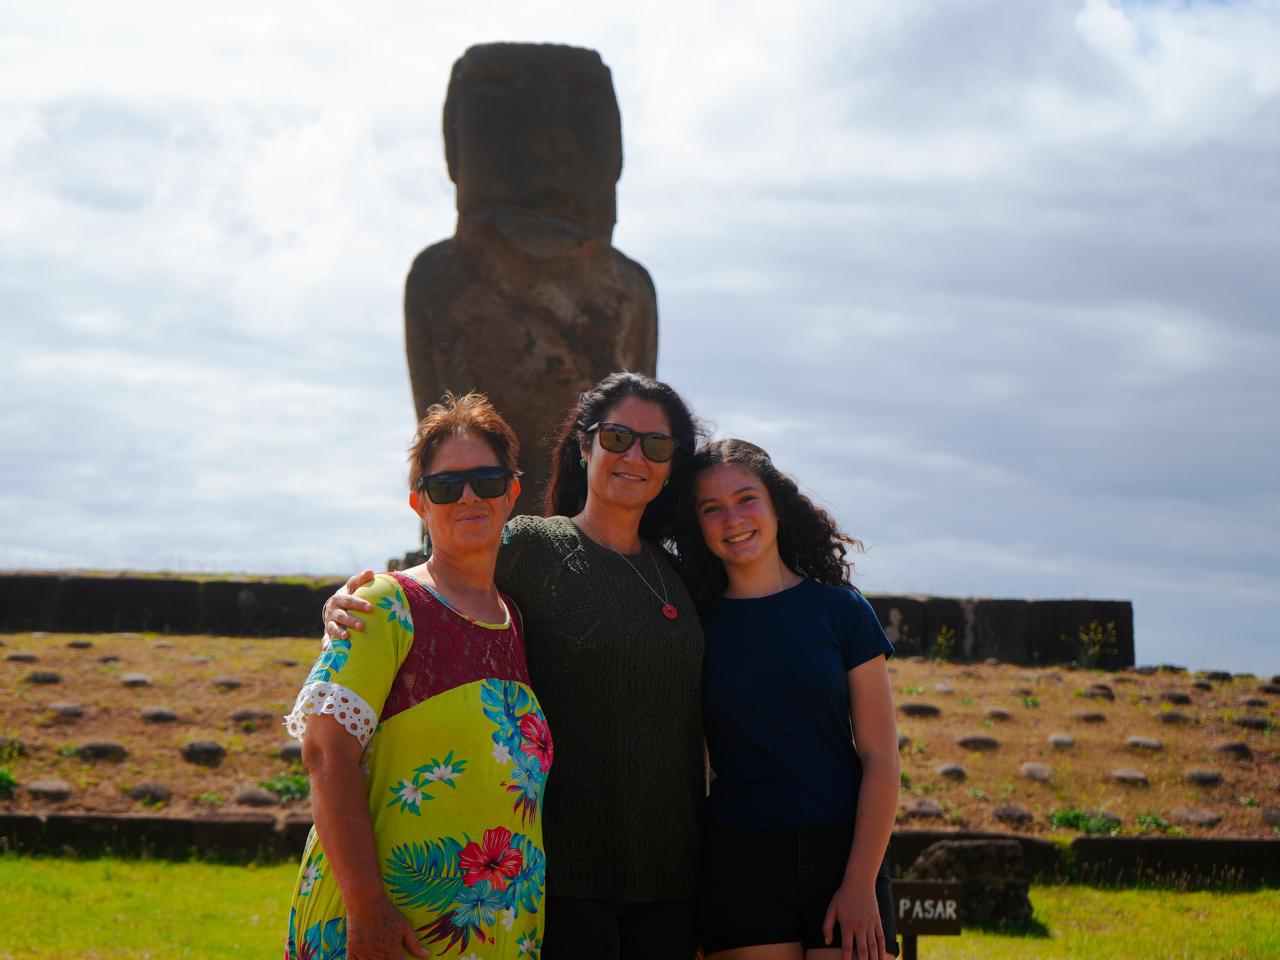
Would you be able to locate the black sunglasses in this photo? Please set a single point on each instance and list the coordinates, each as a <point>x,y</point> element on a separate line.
<point>486,482</point>
<point>617,438</point>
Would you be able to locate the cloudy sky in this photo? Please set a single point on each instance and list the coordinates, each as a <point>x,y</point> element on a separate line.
<point>996,280</point>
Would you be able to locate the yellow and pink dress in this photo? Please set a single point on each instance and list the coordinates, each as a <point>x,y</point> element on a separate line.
<point>456,755</point>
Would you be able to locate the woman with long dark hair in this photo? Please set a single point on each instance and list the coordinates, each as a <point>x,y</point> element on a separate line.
<point>798,818</point>
<point>615,653</point>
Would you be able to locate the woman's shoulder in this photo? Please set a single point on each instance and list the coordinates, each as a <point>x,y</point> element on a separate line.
<point>527,531</point>
<point>386,594</point>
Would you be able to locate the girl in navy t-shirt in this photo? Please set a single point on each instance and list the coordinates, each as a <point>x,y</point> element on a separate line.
<point>798,818</point>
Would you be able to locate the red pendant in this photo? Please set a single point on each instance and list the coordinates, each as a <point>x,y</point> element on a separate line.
<point>669,611</point>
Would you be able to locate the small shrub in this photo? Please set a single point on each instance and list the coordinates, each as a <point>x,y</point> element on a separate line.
<point>1154,823</point>
<point>945,644</point>
<point>917,747</point>
<point>8,783</point>
<point>978,794</point>
<point>1030,702</point>
<point>913,689</point>
<point>289,786</point>
<point>905,780</point>
<point>1248,801</point>
<point>966,701</point>
<point>1093,641</point>
<point>211,799</point>
<point>1093,823</point>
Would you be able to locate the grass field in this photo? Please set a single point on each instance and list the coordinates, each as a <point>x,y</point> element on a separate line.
<point>135,909</point>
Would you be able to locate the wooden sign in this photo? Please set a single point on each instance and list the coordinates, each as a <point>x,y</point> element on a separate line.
<point>926,908</point>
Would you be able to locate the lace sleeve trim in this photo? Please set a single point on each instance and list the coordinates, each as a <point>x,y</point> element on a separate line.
<point>343,704</point>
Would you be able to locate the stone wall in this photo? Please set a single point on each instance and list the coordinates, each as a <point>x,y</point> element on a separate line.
<point>1014,631</point>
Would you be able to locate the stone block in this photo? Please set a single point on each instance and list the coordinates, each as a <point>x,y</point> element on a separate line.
<point>903,621</point>
<point>1002,629</point>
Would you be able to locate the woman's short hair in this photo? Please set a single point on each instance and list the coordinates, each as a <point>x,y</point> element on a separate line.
<point>810,542</point>
<point>470,413</point>
<point>566,492</point>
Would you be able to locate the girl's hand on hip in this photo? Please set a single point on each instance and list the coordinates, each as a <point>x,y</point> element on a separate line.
<point>855,908</point>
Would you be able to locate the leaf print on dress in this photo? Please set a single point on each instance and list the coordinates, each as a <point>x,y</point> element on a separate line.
<point>397,608</point>
<point>323,940</point>
<point>522,739</point>
<point>471,885</point>
<point>410,793</point>
<point>333,659</point>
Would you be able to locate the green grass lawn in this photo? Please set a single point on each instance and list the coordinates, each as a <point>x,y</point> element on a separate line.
<point>87,909</point>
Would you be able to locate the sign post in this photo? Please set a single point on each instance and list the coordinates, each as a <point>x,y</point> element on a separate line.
<point>925,908</point>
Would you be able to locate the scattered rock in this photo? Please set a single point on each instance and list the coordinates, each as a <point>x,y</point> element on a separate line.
<point>1050,678</point>
<point>1143,743</point>
<point>1271,688</point>
<point>1222,676</point>
<point>80,644</point>
<point>255,797</point>
<point>51,790</point>
<point>250,715</point>
<point>1203,778</point>
<point>1062,741</point>
<point>22,658</point>
<point>291,751</point>
<point>1271,816</point>
<point>1196,818</point>
<point>285,662</point>
<point>1253,702</point>
<point>1235,748</point>
<point>1276,679</point>
<point>903,741</point>
<point>1250,722</point>
<point>1124,678</point>
<point>204,752</point>
<point>1171,668</point>
<point>225,684</point>
<point>922,808</point>
<point>916,658</point>
<point>158,715</point>
<point>44,677</point>
<point>991,662</point>
<point>995,882</point>
<point>1022,692</point>
<point>944,688</point>
<point>1130,777</point>
<point>1146,670</point>
<point>1039,772</point>
<point>1090,717</point>
<point>1100,691</point>
<point>1202,684</point>
<point>107,750</point>
<point>108,658</point>
<point>136,680</point>
<point>11,747</point>
<point>919,709</point>
<point>978,741</point>
<point>151,792</point>
<point>970,674</point>
<point>1173,716</point>
<point>1176,698</point>
<point>1012,814</point>
<point>66,711</point>
<point>999,714</point>
<point>952,771</point>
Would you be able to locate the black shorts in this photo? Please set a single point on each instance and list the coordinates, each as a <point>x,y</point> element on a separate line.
<point>774,886</point>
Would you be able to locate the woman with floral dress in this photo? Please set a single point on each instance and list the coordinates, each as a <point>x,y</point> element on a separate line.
<point>427,749</point>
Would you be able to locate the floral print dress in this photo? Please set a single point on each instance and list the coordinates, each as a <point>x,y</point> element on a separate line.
<point>456,755</point>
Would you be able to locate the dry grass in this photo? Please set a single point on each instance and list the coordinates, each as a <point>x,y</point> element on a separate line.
<point>183,669</point>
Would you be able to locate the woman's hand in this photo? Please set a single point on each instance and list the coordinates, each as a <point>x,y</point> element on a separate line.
<point>379,931</point>
<point>335,616</point>
<point>855,908</point>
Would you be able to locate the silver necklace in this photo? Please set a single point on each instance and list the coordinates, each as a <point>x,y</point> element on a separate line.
<point>669,609</point>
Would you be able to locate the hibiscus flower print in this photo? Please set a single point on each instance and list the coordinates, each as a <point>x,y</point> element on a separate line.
<point>537,739</point>
<point>494,860</point>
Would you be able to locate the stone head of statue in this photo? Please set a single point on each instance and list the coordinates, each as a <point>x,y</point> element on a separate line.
<point>535,129</point>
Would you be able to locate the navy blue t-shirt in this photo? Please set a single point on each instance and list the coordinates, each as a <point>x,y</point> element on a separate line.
<point>775,700</point>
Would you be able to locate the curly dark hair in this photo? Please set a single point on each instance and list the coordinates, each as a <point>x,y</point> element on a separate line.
<point>566,492</point>
<point>809,541</point>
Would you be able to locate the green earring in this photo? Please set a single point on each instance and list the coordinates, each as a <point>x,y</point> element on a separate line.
<point>582,462</point>
<point>666,481</point>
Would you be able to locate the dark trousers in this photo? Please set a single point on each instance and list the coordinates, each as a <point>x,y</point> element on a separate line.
<point>582,929</point>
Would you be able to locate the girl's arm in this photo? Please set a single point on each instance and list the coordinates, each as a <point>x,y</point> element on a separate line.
<point>854,905</point>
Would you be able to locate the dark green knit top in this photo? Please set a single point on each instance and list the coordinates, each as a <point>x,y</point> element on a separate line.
<point>620,685</point>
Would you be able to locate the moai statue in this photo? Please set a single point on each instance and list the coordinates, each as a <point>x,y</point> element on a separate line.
<point>528,301</point>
